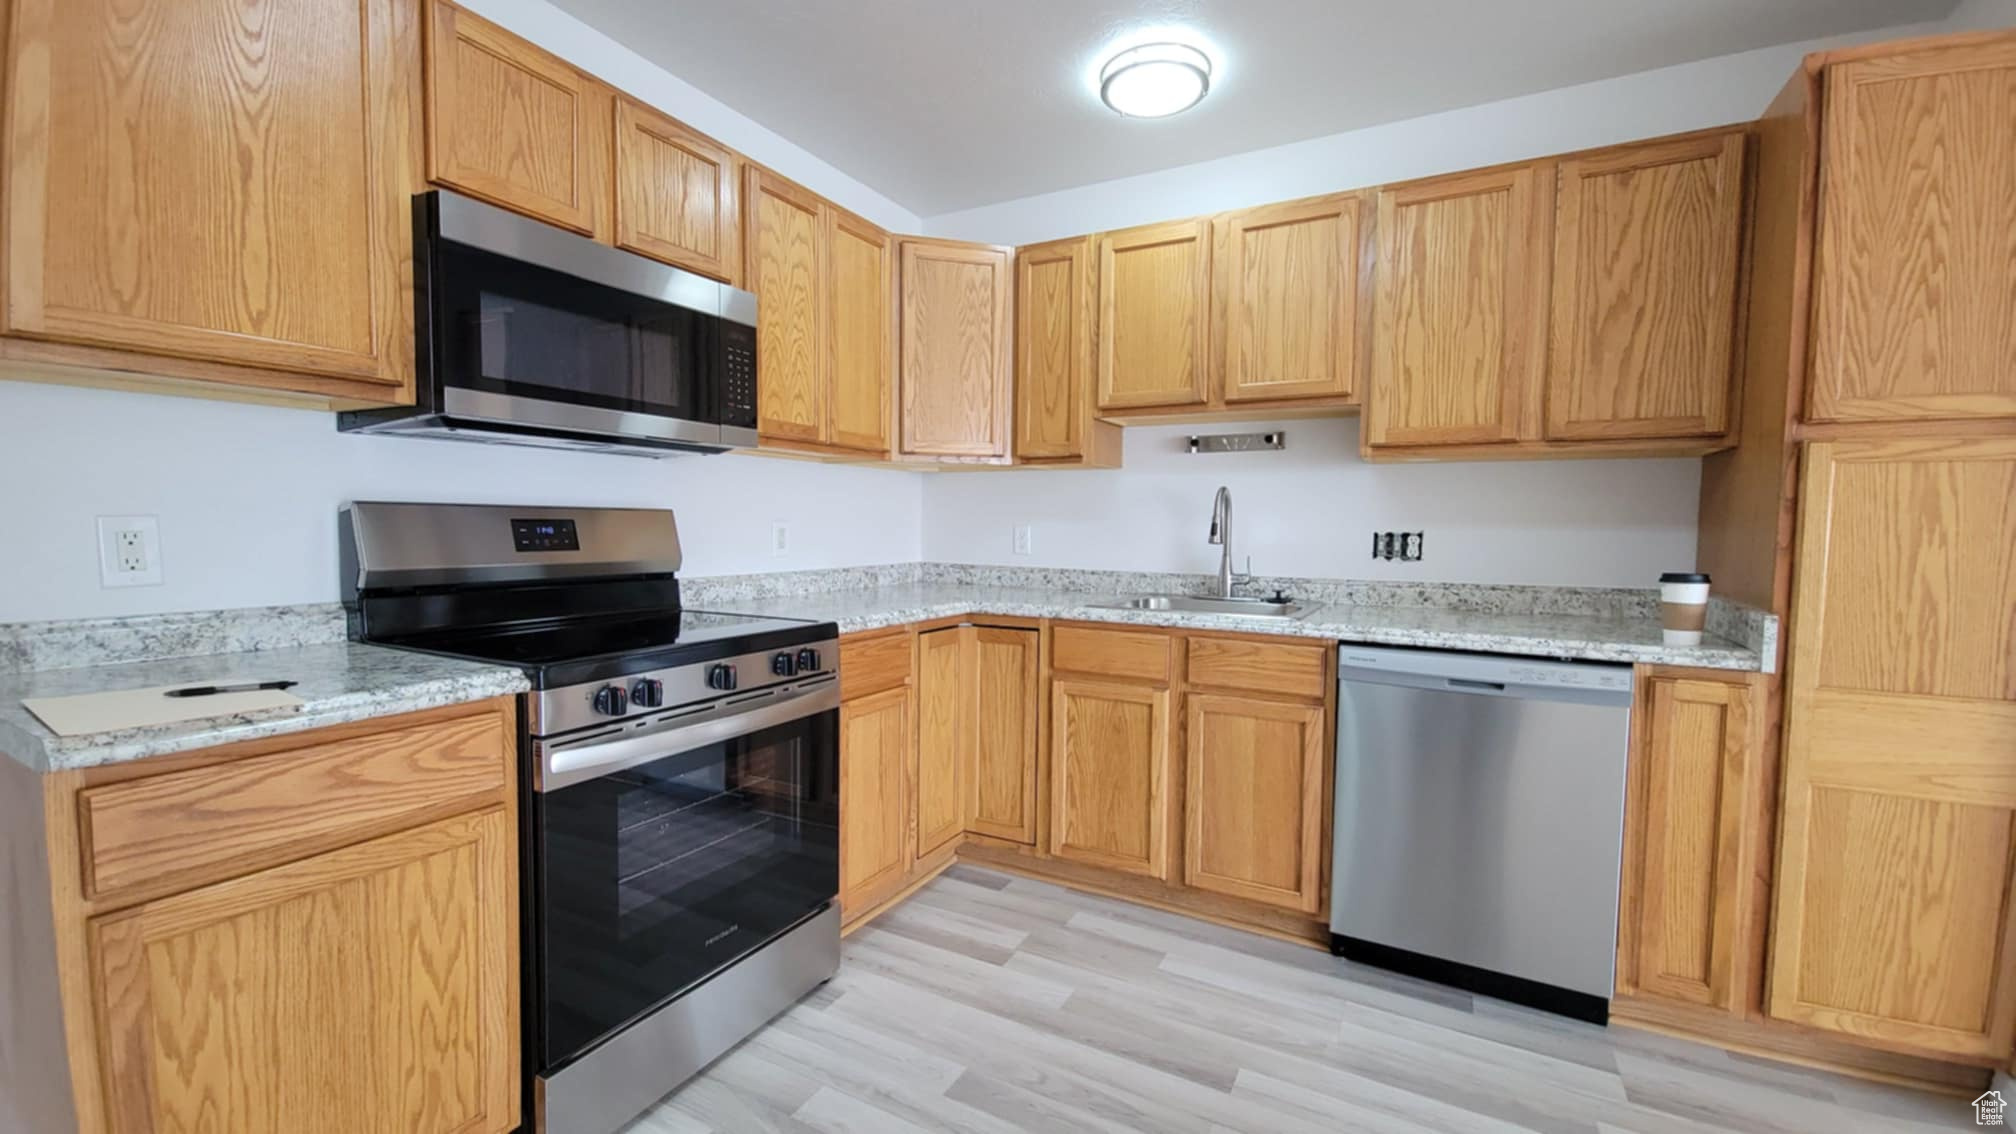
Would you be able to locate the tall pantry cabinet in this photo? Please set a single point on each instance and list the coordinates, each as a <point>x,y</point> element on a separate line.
<point>1873,505</point>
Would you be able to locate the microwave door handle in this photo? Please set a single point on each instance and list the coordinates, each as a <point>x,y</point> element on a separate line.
<point>565,766</point>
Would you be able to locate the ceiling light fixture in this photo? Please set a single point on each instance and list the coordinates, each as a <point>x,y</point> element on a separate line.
<point>1155,80</point>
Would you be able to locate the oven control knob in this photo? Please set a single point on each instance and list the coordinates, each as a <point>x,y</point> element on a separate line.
<point>611,701</point>
<point>808,659</point>
<point>647,693</point>
<point>784,664</point>
<point>721,677</point>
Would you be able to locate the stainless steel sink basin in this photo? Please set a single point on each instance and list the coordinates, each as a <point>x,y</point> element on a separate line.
<point>1199,604</point>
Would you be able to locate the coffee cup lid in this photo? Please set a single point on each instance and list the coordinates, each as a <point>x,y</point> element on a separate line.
<point>1684,577</point>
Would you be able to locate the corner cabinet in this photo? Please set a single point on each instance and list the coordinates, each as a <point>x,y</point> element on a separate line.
<point>207,194</point>
<point>1914,284</point>
<point>956,369</point>
<point>1459,338</point>
<point>1056,293</point>
<point>1897,848</point>
<point>516,125</point>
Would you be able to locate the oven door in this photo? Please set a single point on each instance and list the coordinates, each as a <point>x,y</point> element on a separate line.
<point>538,329</point>
<point>670,849</point>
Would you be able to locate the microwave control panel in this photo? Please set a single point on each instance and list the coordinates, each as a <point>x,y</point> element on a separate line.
<point>738,376</point>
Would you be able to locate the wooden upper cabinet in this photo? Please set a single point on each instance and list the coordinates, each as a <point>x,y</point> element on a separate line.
<point>515,125</point>
<point>1686,860</point>
<point>1646,246</point>
<point>945,697</point>
<point>1255,802</point>
<point>875,841</point>
<point>1007,705</point>
<point>1056,288</point>
<point>678,193</point>
<point>1914,303</point>
<point>1154,315</point>
<point>956,372</point>
<point>1288,279</point>
<point>1893,919</point>
<point>196,182</point>
<point>857,304</point>
<point>786,264</point>
<point>1109,775</point>
<point>1459,326</point>
<point>379,980</point>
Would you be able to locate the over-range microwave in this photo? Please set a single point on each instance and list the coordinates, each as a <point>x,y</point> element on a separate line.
<point>530,335</point>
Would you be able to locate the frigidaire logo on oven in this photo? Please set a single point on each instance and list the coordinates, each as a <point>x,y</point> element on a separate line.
<point>720,935</point>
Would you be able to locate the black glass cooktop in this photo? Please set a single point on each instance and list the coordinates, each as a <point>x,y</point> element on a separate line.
<point>589,649</point>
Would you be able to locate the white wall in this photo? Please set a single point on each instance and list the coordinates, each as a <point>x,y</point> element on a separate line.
<point>1711,92</point>
<point>627,71</point>
<point>247,497</point>
<point>1311,508</point>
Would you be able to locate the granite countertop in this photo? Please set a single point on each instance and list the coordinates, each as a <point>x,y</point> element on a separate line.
<point>1585,637</point>
<point>339,682</point>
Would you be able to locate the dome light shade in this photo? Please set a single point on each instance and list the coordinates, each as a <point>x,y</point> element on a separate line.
<point>1155,80</point>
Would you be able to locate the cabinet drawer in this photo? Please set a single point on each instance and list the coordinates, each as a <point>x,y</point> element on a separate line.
<point>1278,668</point>
<point>213,822</point>
<point>1135,654</point>
<point>874,662</point>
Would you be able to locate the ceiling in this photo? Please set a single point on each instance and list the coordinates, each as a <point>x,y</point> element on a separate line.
<point>943,105</point>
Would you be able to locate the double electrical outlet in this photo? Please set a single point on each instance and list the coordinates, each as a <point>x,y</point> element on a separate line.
<point>1404,546</point>
<point>129,551</point>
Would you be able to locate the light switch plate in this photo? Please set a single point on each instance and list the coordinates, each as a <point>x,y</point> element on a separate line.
<point>129,551</point>
<point>780,539</point>
<point>1024,539</point>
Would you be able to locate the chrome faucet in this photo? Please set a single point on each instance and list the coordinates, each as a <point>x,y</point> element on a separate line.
<point>1221,534</point>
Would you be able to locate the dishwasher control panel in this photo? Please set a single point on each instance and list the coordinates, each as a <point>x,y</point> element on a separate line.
<point>1586,677</point>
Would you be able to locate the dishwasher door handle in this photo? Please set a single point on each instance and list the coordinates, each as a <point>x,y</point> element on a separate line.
<point>1480,686</point>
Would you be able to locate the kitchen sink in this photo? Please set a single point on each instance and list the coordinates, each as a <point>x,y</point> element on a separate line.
<point>1199,604</point>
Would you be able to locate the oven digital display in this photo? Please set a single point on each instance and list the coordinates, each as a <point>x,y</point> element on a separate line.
<point>545,535</point>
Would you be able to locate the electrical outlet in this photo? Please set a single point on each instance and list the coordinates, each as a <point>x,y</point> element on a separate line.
<point>780,538</point>
<point>1023,539</point>
<point>1404,546</point>
<point>129,551</point>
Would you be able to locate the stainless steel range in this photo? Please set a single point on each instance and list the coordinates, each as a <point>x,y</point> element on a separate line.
<point>680,832</point>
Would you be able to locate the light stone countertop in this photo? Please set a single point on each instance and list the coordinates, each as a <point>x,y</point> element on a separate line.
<point>1582,637</point>
<point>339,682</point>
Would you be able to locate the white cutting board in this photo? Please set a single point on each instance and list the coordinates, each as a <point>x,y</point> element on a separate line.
<point>84,714</point>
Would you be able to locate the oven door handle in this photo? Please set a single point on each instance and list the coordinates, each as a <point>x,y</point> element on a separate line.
<point>564,765</point>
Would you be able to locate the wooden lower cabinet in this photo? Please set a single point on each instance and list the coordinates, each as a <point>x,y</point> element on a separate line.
<point>1687,843</point>
<point>945,693</point>
<point>1897,852</point>
<point>1255,799</point>
<point>875,746</point>
<point>374,984</point>
<point>1109,775</point>
<point>1007,700</point>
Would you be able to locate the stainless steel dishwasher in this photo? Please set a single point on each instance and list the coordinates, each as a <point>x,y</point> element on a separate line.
<point>1480,821</point>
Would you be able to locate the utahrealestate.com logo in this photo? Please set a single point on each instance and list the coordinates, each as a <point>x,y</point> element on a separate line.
<point>1989,1109</point>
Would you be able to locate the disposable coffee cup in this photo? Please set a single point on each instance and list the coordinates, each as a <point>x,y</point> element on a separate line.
<point>1683,606</point>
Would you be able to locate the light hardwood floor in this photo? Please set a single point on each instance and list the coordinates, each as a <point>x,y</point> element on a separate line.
<point>995,1003</point>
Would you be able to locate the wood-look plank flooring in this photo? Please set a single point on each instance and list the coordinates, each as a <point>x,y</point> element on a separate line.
<point>994,1003</point>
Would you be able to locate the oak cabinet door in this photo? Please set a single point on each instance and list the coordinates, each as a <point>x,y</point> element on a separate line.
<point>945,695</point>
<point>1459,322</point>
<point>515,125</point>
<point>212,182</point>
<point>956,370</point>
<point>1109,775</point>
<point>1255,799</point>
<point>1914,303</point>
<point>1287,290</point>
<point>1646,244</point>
<point>857,306</point>
<point>786,266</point>
<point>1893,894</point>
<point>1154,315</point>
<point>375,984</point>
<point>1007,706</point>
<point>875,747</point>
<point>1690,784</point>
<point>1056,289</point>
<point>678,194</point>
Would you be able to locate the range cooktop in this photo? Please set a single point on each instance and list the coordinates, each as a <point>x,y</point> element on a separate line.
<point>578,650</point>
